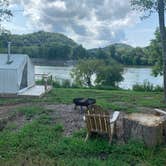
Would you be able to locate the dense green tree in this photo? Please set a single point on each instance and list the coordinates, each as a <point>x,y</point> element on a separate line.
<point>40,45</point>
<point>101,54</point>
<point>98,71</point>
<point>158,6</point>
<point>85,70</point>
<point>79,52</point>
<point>109,75</point>
<point>56,46</point>
<point>155,51</point>
<point>5,13</point>
<point>112,50</point>
<point>129,55</point>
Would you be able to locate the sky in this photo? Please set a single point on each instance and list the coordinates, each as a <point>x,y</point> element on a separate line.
<point>92,23</point>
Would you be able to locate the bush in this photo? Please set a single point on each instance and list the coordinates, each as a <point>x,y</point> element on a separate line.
<point>147,87</point>
<point>42,81</point>
<point>158,88</point>
<point>109,75</point>
<point>56,84</point>
<point>66,83</point>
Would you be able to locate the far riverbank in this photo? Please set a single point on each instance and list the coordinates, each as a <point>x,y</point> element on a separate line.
<point>46,62</point>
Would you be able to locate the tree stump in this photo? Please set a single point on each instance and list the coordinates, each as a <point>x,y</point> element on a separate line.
<point>148,128</point>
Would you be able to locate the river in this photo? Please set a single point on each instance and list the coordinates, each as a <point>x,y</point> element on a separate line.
<point>132,75</point>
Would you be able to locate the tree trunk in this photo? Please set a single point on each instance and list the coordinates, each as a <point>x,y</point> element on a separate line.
<point>145,127</point>
<point>161,7</point>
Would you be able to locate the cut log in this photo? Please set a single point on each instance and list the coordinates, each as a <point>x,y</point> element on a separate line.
<point>145,127</point>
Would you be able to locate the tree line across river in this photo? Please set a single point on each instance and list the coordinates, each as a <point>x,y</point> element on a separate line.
<point>59,47</point>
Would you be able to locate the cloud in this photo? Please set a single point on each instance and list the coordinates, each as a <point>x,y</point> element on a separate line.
<point>93,23</point>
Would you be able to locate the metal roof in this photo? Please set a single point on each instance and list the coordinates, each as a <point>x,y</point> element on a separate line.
<point>18,60</point>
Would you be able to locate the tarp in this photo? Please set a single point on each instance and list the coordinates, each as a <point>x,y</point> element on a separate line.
<point>11,74</point>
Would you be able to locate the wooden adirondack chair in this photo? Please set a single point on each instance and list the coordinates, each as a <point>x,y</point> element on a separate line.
<point>99,121</point>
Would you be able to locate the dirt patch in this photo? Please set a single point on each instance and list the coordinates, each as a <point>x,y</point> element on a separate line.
<point>10,119</point>
<point>7,110</point>
<point>71,119</point>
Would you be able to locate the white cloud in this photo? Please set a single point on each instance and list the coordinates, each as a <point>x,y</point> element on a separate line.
<point>58,5</point>
<point>93,23</point>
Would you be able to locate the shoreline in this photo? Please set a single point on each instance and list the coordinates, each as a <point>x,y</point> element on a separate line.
<point>46,62</point>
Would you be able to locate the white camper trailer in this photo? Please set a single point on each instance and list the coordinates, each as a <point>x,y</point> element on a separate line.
<point>16,73</point>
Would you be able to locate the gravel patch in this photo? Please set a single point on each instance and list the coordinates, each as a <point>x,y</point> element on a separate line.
<point>71,119</point>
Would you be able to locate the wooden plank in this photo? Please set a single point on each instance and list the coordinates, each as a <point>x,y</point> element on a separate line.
<point>98,120</point>
<point>95,123</point>
<point>100,124</point>
<point>98,115</point>
<point>105,123</point>
<point>160,111</point>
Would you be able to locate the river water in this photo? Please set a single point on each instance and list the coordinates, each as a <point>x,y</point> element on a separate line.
<point>132,75</point>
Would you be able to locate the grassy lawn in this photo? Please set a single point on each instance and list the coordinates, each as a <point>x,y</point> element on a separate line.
<point>41,141</point>
<point>113,99</point>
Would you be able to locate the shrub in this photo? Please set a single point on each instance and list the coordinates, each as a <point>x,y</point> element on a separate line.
<point>158,88</point>
<point>66,83</point>
<point>147,87</point>
<point>56,84</point>
<point>42,81</point>
<point>109,75</point>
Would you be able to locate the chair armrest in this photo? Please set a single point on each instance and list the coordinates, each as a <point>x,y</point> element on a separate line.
<point>115,116</point>
<point>160,111</point>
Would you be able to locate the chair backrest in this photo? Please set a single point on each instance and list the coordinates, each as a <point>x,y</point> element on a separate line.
<point>97,120</point>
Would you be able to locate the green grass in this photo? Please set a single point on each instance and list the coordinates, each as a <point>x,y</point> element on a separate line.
<point>30,111</point>
<point>41,141</point>
<point>122,100</point>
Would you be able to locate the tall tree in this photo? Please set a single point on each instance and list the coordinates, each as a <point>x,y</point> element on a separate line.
<point>150,6</point>
<point>5,13</point>
<point>91,72</point>
<point>155,51</point>
<point>85,70</point>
